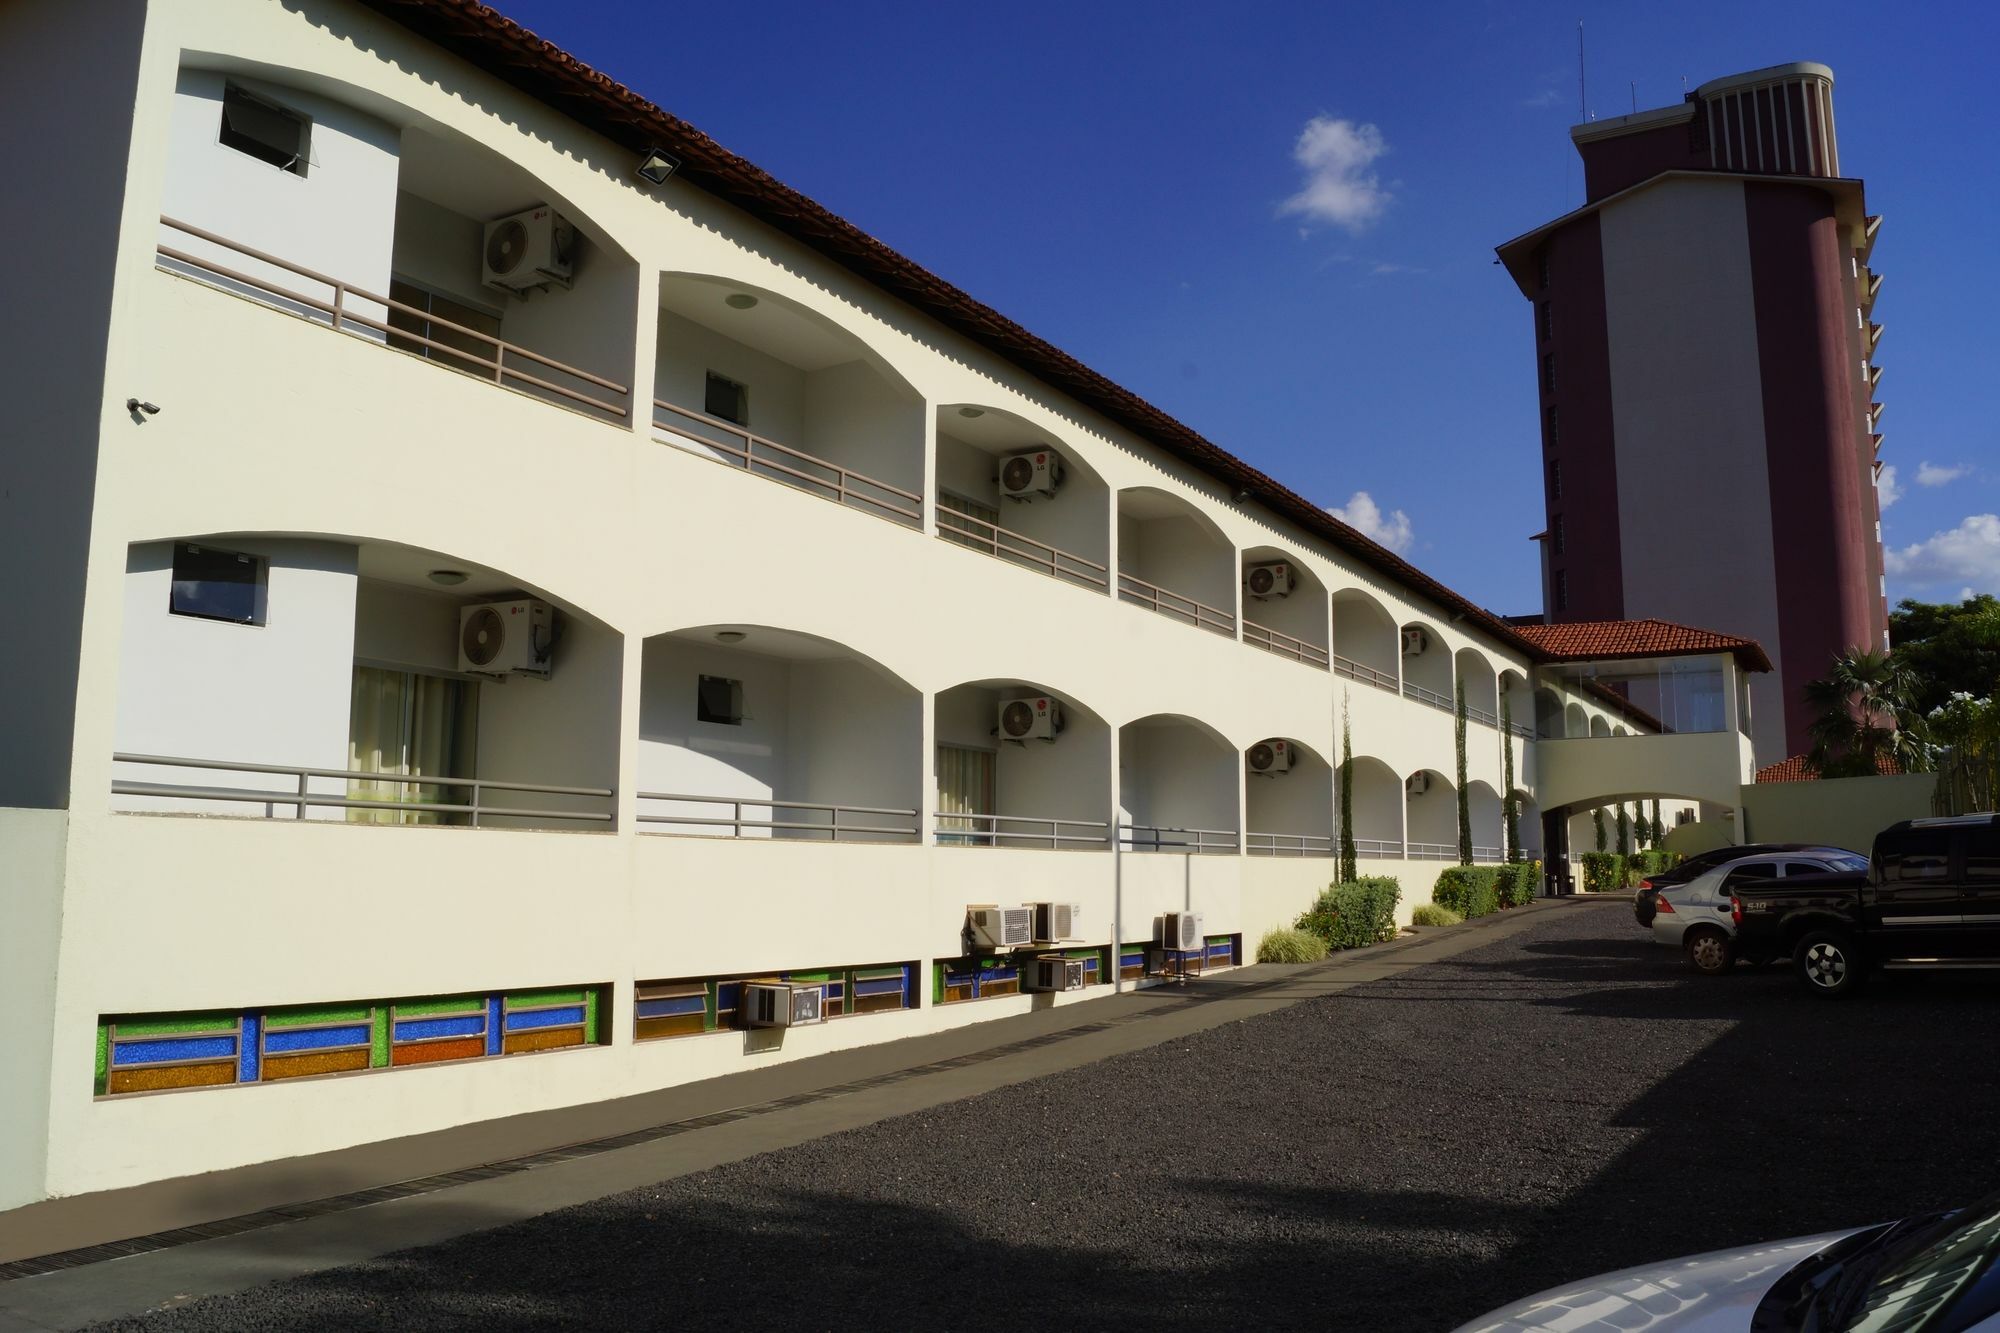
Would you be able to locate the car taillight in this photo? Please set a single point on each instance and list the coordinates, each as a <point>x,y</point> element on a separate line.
<point>1665,907</point>
<point>1645,884</point>
<point>1735,910</point>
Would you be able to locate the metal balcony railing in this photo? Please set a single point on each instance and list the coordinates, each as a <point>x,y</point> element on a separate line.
<point>731,444</point>
<point>1433,851</point>
<point>977,534</point>
<point>337,310</point>
<point>1029,831</point>
<point>1284,645</point>
<point>1367,675</point>
<point>301,796</point>
<point>1199,614</point>
<point>1287,844</point>
<point>1203,841</point>
<point>1486,854</point>
<point>1385,848</point>
<point>837,823</point>
<point>1411,690</point>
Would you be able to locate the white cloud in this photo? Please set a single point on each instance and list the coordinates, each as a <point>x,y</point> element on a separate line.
<point>1547,97</point>
<point>1887,491</point>
<point>1366,517</point>
<point>1339,187</point>
<point>1931,474</point>
<point>1968,553</point>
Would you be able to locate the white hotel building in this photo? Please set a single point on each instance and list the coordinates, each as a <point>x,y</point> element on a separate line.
<point>296,861</point>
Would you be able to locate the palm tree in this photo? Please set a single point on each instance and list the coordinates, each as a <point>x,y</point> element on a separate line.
<point>1862,715</point>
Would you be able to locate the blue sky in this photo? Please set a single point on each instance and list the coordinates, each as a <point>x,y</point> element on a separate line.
<point>1115,177</point>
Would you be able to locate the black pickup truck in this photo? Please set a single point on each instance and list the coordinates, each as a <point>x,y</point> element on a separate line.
<point>1929,898</point>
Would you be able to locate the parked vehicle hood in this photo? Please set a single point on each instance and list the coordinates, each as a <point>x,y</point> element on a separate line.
<point>1705,1292</point>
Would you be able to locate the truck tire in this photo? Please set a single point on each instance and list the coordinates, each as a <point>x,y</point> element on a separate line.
<point>1709,951</point>
<point>1829,964</point>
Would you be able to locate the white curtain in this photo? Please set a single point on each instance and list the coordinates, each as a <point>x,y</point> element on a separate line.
<point>405,725</point>
<point>964,787</point>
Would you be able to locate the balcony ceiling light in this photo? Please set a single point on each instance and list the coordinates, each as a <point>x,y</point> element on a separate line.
<point>970,412</point>
<point>740,301</point>
<point>730,636</point>
<point>447,578</point>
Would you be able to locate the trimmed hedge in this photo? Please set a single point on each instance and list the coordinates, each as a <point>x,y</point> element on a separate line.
<point>1430,914</point>
<point>1652,862</point>
<point>1357,913</point>
<point>1290,946</point>
<point>1519,883</point>
<point>1468,890</point>
<point>1604,872</point>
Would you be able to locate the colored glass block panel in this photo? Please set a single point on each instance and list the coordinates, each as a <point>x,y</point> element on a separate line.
<point>316,1039</point>
<point>496,1011</point>
<point>569,1016</point>
<point>429,1052</point>
<point>248,1055</point>
<point>675,1025</point>
<point>955,993</point>
<point>424,1029</point>
<point>879,1003</point>
<point>595,1001</point>
<point>880,986</point>
<point>125,1052</point>
<point>808,976</point>
<point>173,1023</point>
<point>444,1004</point>
<point>315,1062</point>
<point>520,999</point>
<point>696,1004</point>
<point>542,1039</point>
<point>148,1078</point>
<point>103,1056</point>
<point>378,1040</point>
<point>318,1015</point>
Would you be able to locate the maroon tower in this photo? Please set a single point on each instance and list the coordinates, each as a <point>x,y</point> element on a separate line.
<point>1705,354</point>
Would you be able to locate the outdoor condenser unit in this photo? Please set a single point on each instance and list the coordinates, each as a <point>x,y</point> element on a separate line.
<point>1053,972</point>
<point>1181,931</point>
<point>1001,927</point>
<point>1055,922</point>
<point>778,1004</point>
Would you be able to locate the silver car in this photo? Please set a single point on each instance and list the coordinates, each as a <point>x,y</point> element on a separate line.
<point>1934,1272</point>
<point>1694,916</point>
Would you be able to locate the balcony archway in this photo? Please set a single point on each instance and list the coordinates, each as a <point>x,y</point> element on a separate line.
<point>1430,817</point>
<point>1378,801</point>
<point>1018,764</point>
<point>1287,800</point>
<point>1006,489</point>
<point>1427,666</point>
<point>1284,606</point>
<point>1482,693</point>
<point>1484,813</point>
<point>1173,559</point>
<point>1365,642</point>
<point>1179,784</point>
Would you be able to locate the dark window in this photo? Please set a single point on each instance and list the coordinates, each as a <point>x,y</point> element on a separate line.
<point>217,585</point>
<point>1562,589</point>
<point>1917,854</point>
<point>719,699</point>
<point>1982,852</point>
<point>444,330</point>
<point>1543,321</point>
<point>1556,542</point>
<point>1745,873</point>
<point>727,399</point>
<point>1549,372</point>
<point>1556,480</point>
<point>1542,267</point>
<point>1554,432</point>
<point>265,130</point>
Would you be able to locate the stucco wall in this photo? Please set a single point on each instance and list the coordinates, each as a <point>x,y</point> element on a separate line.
<point>1841,812</point>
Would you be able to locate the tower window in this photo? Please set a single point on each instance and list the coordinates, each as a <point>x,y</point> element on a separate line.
<point>1554,432</point>
<point>1556,543</point>
<point>1555,479</point>
<point>265,130</point>
<point>1561,581</point>
<point>719,700</point>
<point>727,399</point>
<point>217,585</point>
<point>1548,372</point>
<point>1544,320</point>
<point>1542,267</point>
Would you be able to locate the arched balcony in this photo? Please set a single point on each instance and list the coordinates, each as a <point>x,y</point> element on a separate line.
<point>1019,765</point>
<point>1549,724</point>
<point>1528,816</point>
<point>1378,804</point>
<point>751,731</point>
<point>276,676</point>
<point>1484,813</point>
<point>1517,698</point>
<point>1005,490</point>
<point>1482,691</point>
<point>751,379</point>
<point>1179,786</point>
<point>1287,800</point>
<point>1172,559</point>
<point>1284,607</point>
<point>1366,645</point>
<point>1599,725</point>
<point>1427,667</point>
<point>1430,816</point>
<point>1576,722</point>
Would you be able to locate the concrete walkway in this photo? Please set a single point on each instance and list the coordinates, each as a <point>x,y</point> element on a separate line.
<point>617,1146</point>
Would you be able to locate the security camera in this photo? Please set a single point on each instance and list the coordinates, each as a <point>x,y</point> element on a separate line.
<point>134,405</point>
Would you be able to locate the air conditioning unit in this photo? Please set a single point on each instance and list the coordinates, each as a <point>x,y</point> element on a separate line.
<point>1267,581</point>
<point>1181,932</point>
<point>778,1004</point>
<point>1052,972</point>
<point>1001,927</point>
<point>1414,642</point>
<point>531,249</point>
<point>495,638</point>
<point>1025,476</point>
<point>1034,719</point>
<point>1417,783</point>
<point>1056,922</point>
<point>1270,759</point>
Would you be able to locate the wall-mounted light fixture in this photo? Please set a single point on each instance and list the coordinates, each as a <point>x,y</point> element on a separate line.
<point>655,167</point>
<point>134,406</point>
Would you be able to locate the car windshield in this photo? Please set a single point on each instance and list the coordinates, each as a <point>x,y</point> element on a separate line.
<point>1918,1284</point>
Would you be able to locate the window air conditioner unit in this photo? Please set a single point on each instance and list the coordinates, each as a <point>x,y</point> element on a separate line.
<point>1001,927</point>
<point>1056,922</point>
<point>531,249</point>
<point>1414,642</point>
<point>1417,783</point>
<point>1270,759</point>
<point>1266,581</point>
<point>1053,972</point>
<point>1181,932</point>
<point>1025,476</point>
<point>495,638</point>
<point>777,1004</point>
<point>1039,718</point>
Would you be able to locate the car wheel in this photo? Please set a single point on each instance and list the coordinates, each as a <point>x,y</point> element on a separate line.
<point>1829,964</point>
<point>1710,951</point>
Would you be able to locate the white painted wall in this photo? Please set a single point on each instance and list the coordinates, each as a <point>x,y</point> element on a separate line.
<point>1171,775</point>
<point>1433,817</point>
<point>563,730</point>
<point>1364,632</point>
<point>1304,613</point>
<point>1068,778</point>
<point>855,737</point>
<point>687,352</point>
<point>1180,555</point>
<point>1076,519</point>
<point>858,419</point>
<point>410,629</point>
<point>1300,801</point>
<point>33,843</point>
<point>1378,801</point>
<point>678,753</point>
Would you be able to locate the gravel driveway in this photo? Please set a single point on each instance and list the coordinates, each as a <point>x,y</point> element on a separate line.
<point>1404,1155</point>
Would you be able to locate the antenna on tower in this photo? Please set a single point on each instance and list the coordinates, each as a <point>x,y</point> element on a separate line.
<point>1635,97</point>
<point>1582,95</point>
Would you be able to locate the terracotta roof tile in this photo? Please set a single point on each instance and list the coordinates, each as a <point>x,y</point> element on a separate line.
<point>1595,640</point>
<point>1796,769</point>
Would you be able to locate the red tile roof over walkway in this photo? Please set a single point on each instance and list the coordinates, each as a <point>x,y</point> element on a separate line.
<point>1599,640</point>
<point>1796,769</point>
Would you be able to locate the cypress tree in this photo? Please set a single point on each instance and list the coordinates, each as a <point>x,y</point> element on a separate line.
<point>1597,818</point>
<point>1624,831</point>
<point>1348,870</point>
<point>1464,800</point>
<point>1510,804</point>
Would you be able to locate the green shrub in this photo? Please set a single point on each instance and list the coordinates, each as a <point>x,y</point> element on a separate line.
<point>1359,912</point>
<point>1468,890</point>
<point>1290,946</point>
<point>1519,883</point>
<point>1431,914</point>
<point>1604,872</point>
<point>1652,862</point>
